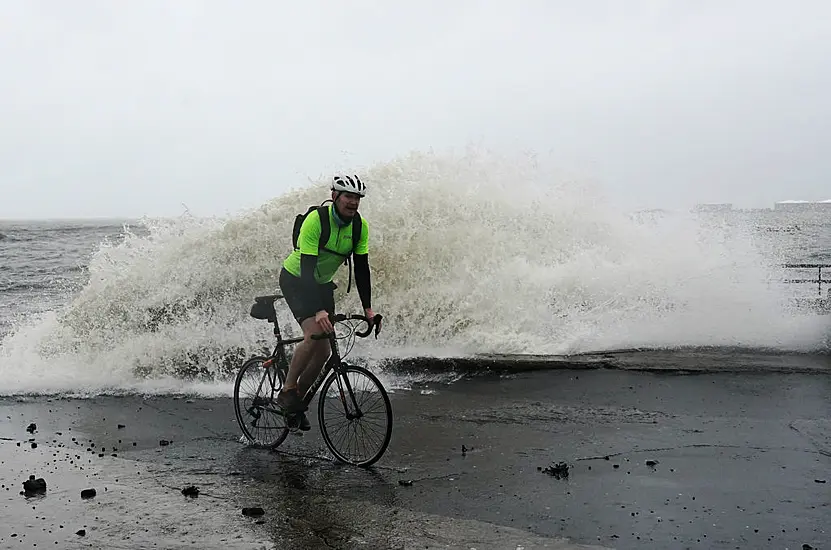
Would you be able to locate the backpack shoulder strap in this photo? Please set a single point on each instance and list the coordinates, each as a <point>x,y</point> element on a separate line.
<point>325,230</point>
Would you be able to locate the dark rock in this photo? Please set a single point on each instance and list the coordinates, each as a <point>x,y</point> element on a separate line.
<point>807,547</point>
<point>34,486</point>
<point>31,428</point>
<point>34,445</point>
<point>819,481</point>
<point>164,443</point>
<point>651,463</point>
<point>121,426</point>
<point>405,482</point>
<point>191,491</point>
<point>559,470</point>
<point>253,512</point>
<point>88,493</point>
<point>81,532</point>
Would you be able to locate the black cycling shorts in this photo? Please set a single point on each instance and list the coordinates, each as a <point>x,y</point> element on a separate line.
<point>297,298</point>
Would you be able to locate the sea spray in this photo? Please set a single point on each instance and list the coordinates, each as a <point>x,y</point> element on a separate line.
<point>471,253</point>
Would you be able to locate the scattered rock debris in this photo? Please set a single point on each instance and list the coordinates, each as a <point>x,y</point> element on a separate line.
<point>34,486</point>
<point>559,470</point>
<point>32,428</point>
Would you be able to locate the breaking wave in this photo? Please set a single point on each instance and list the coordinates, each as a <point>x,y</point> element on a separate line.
<point>471,253</point>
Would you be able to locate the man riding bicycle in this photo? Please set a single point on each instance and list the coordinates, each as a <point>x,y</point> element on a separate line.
<point>306,284</point>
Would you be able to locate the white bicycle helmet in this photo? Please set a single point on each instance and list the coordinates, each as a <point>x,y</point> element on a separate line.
<point>349,184</point>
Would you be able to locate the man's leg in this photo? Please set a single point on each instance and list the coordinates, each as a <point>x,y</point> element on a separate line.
<point>305,355</point>
<point>309,355</point>
<point>322,352</point>
<point>313,367</point>
<point>304,352</point>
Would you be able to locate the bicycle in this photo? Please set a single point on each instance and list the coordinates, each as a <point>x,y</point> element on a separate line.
<point>349,399</point>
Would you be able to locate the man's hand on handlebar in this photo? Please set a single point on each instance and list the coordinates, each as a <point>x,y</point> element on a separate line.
<point>371,316</point>
<point>323,321</point>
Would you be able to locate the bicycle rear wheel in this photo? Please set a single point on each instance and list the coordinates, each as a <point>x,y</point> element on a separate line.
<point>255,392</point>
<point>355,416</point>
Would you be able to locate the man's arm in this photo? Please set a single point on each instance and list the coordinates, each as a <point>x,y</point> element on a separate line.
<point>309,240</point>
<point>362,277</point>
<point>362,280</point>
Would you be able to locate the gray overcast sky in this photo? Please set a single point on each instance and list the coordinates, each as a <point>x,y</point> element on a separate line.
<point>110,108</point>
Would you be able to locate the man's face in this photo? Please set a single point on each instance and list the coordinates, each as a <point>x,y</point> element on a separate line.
<point>347,203</point>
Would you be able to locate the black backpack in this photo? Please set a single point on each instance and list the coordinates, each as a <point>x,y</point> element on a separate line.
<point>325,231</point>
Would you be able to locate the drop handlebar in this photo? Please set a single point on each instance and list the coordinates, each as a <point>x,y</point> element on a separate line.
<point>374,323</point>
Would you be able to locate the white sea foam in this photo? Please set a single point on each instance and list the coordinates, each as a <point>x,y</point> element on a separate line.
<point>471,253</point>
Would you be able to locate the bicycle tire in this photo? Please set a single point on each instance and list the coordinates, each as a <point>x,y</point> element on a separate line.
<point>281,431</point>
<point>339,453</point>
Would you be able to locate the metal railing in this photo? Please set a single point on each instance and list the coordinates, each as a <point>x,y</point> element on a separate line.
<point>819,281</point>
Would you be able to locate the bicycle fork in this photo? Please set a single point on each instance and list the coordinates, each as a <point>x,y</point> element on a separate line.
<point>343,382</point>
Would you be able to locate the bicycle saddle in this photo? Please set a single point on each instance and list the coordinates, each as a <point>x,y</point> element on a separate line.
<point>268,299</point>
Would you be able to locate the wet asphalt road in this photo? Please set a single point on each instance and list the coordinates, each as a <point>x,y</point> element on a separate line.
<point>739,463</point>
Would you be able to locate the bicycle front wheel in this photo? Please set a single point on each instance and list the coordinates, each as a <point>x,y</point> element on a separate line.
<point>255,392</point>
<point>355,416</point>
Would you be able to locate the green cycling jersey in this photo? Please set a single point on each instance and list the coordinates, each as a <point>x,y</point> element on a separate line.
<point>340,241</point>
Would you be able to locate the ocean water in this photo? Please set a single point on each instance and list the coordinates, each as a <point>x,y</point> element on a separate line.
<point>471,254</point>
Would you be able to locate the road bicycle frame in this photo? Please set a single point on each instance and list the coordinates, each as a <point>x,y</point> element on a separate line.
<point>334,361</point>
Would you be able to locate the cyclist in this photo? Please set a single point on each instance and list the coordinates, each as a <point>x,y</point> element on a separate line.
<point>306,284</point>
